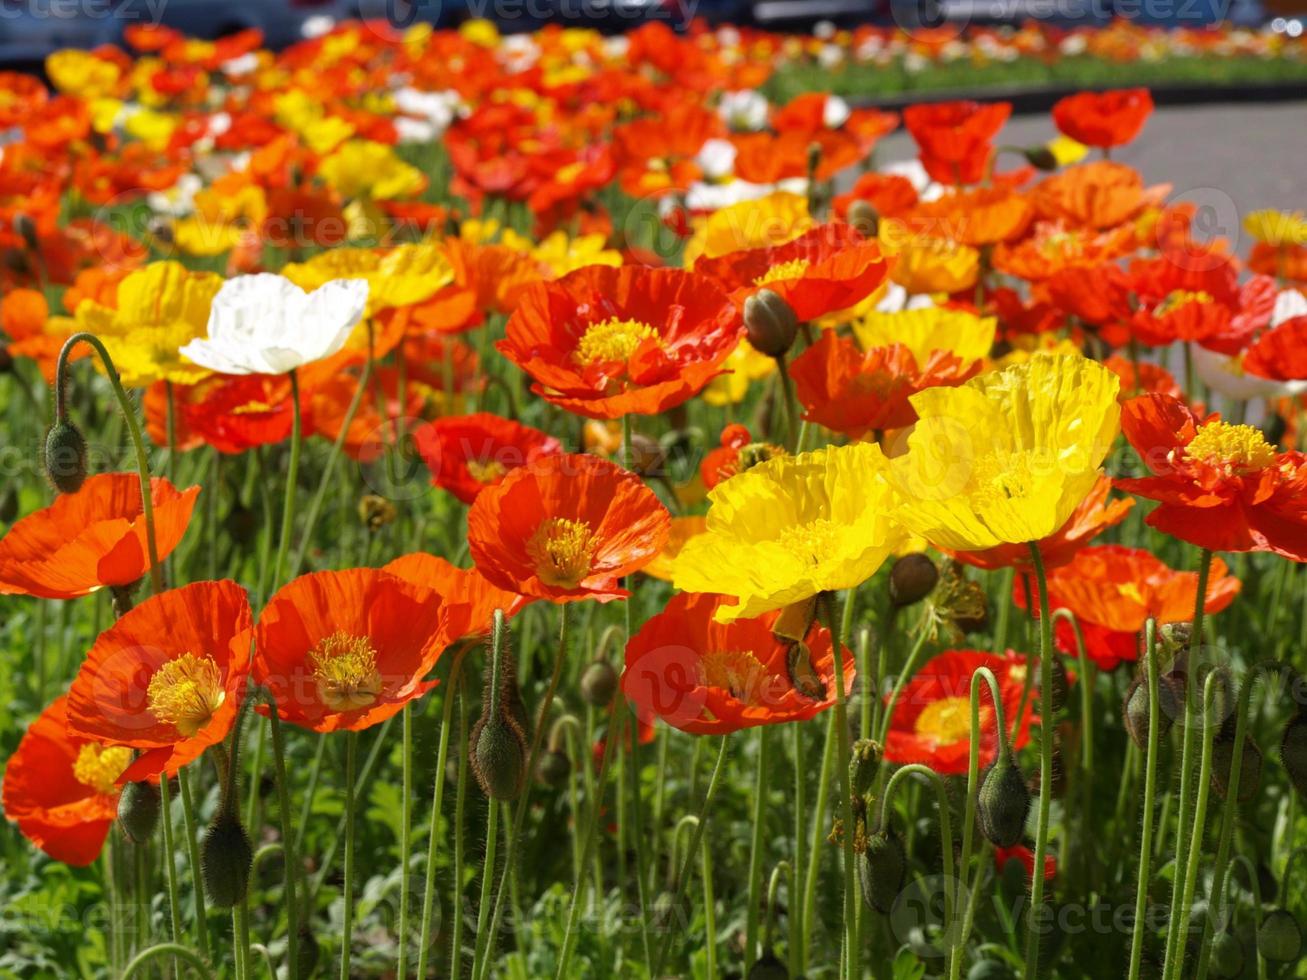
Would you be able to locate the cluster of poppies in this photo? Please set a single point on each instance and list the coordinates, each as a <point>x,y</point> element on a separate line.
<point>462,243</point>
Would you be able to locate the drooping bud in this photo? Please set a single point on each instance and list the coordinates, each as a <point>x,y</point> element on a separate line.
<point>65,457</point>
<point>226,857</point>
<point>803,673</point>
<point>376,512</point>
<point>1293,752</point>
<point>1135,708</point>
<point>912,578</point>
<point>598,683</point>
<point>881,870</point>
<point>553,768</point>
<point>1003,803</point>
<point>1279,937</point>
<point>1040,157</point>
<point>138,811</point>
<point>1250,769</point>
<point>647,456</point>
<point>770,323</point>
<point>864,217</point>
<point>1227,956</point>
<point>864,765</point>
<point>768,967</point>
<point>498,745</point>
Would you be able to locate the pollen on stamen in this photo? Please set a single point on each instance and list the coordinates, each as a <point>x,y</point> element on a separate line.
<point>562,550</point>
<point>736,671</point>
<point>612,340</point>
<point>345,668</point>
<point>99,766</point>
<point>487,472</point>
<point>185,692</point>
<point>1239,447</point>
<point>815,541</point>
<point>783,271</point>
<point>947,720</point>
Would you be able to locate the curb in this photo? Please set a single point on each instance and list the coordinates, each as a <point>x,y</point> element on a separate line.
<point>1029,101</point>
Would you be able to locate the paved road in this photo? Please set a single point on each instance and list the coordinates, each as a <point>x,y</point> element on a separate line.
<point>1230,159</point>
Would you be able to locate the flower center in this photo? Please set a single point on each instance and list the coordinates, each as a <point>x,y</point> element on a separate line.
<point>562,550</point>
<point>99,766</point>
<point>736,671</point>
<point>1238,447</point>
<point>1002,476</point>
<point>783,272</point>
<point>947,720</point>
<point>185,692</point>
<point>487,472</point>
<point>1181,297</point>
<point>345,668</point>
<point>814,542</point>
<point>612,340</point>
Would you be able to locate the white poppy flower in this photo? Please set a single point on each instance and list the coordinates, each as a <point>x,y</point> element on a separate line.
<point>1225,374</point>
<point>265,324</point>
<point>1289,303</point>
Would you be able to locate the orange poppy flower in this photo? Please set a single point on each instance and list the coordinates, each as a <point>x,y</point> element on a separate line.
<point>1113,590</point>
<point>1103,119</point>
<point>566,527</point>
<point>766,158</point>
<point>606,342</point>
<point>33,333</point>
<point>167,678</point>
<point>737,452</point>
<point>855,392</point>
<point>1094,515</point>
<point>92,539</point>
<point>826,269</point>
<point>931,723</point>
<point>347,649</point>
<point>711,678</point>
<point>1097,195</point>
<point>1199,300</point>
<point>1055,246</point>
<point>890,194</point>
<point>1219,486</point>
<point>1143,377</point>
<point>459,586</point>
<point>955,138</point>
<point>62,790</point>
<point>1280,353</point>
<point>1286,262</point>
<point>978,216</point>
<point>470,452</point>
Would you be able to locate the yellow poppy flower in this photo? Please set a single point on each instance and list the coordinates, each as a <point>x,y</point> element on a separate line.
<point>927,330</point>
<point>778,218</point>
<point>785,530</point>
<point>366,168</point>
<point>399,276</point>
<point>1277,227</point>
<point>682,530</point>
<point>160,309</point>
<point>82,74</point>
<point>1006,457</point>
<point>925,264</point>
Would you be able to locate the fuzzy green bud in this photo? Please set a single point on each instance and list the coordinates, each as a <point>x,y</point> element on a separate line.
<point>65,457</point>
<point>1250,769</point>
<point>881,870</point>
<point>226,857</point>
<point>1227,956</point>
<point>499,756</point>
<point>553,768</point>
<point>1135,708</point>
<point>864,217</point>
<point>768,967</point>
<point>138,811</point>
<point>1003,803</point>
<point>864,765</point>
<point>1293,752</point>
<point>1279,937</point>
<point>599,683</point>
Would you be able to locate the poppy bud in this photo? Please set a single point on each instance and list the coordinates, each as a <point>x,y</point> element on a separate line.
<point>138,811</point>
<point>912,578</point>
<point>160,229</point>
<point>1227,956</point>
<point>26,228</point>
<point>864,218</point>
<point>225,859</point>
<point>65,457</point>
<point>1173,638</point>
<point>1293,752</point>
<point>553,768</point>
<point>1134,710</point>
<point>882,870</point>
<point>864,765</point>
<point>599,683</point>
<point>1003,803</point>
<point>310,953</point>
<point>498,756</point>
<point>768,967</point>
<point>376,512</point>
<point>803,675</point>
<point>1279,938</point>
<point>1040,157</point>
<point>1250,770</point>
<point>646,456</point>
<point>770,323</point>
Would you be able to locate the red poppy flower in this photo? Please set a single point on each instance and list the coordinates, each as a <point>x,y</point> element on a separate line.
<point>345,650</point>
<point>1094,515</point>
<point>62,790</point>
<point>470,452</point>
<point>766,158</point>
<point>955,137</point>
<point>826,269</point>
<point>1026,858</point>
<point>606,342</point>
<point>1281,353</point>
<point>566,527</point>
<point>889,194</point>
<point>1220,486</point>
<point>1103,119</point>
<point>1113,590</point>
<point>167,678</point>
<point>1142,377</point>
<point>711,678</point>
<point>855,392</point>
<point>1185,297</point>
<point>231,414</point>
<point>93,538</point>
<point>459,586</point>
<point>736,453</point>
<point>932,719</point>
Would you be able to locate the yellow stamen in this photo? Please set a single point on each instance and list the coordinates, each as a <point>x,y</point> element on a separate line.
<point>345,668</point>
<point>562,550</point>
<point>252,408</point>
<point>783,272</point>
<point>1237,447</point>
<point>736,671</point>
<point>99,766</point>
<point>1003,476</point>
<point>947,720</point>
<point>814,542</point>
<point>1181,297</point>
<point>612,340</point>
<point>185,692</point>
<point>487,472</point>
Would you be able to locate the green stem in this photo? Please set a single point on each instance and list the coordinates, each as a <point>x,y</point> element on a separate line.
<point>945,826</point>
<point>909,668</point>
<point>487,879</point>
<point>1150,796</point>
<point>798,962</point>
<point>1045,764</point>
<point>405,832</point>
<point>815,850</point>
<point>290,860</point>
<point>193,854</point>
<point>169,859</point>
<point>755,851</point>
<point>347,925</point>
<point>292,480</point>
<point>175,950</point>
<point>833,622</point>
